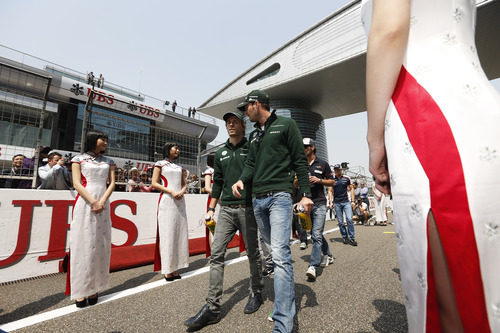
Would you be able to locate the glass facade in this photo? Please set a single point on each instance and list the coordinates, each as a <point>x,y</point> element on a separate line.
<point>311,125</point>
<point>128,136</point>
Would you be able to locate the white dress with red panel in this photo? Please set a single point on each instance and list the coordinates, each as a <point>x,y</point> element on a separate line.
<point>90,233</point>
<point>172,241</point>
<point>443,146</point>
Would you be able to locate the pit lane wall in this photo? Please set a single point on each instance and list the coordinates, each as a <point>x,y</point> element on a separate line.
<point>35,227</point>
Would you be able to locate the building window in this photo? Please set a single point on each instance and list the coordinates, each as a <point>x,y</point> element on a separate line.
<point>268,72</point>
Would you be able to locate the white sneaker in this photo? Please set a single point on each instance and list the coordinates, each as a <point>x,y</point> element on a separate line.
<point>326,260</point>
<point>303,246</point>
<point>311,273</point>
<point>270,317</point>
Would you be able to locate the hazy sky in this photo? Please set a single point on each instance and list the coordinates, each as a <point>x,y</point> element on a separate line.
<point>183,50</point>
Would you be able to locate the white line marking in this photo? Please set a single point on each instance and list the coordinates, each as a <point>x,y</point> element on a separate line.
<point>38,318</point>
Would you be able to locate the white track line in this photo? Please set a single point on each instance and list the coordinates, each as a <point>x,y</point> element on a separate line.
<point>38,318</point>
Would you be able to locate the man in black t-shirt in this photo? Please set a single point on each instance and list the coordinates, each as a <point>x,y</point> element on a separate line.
<point>342,204</point>
<point>320,175</point>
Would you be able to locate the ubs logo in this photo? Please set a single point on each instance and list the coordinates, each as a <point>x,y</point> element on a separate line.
<point>76,89</point>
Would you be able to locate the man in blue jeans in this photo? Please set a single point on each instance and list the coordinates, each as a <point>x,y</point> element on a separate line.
<point>320,175</point>
<point>343,205</point>
<point>275,154</point>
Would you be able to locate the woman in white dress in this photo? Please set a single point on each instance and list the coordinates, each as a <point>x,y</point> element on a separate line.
<point>172,245</point>
<point>433,136</point>
<point>380,208</point>
<point>90,234</point>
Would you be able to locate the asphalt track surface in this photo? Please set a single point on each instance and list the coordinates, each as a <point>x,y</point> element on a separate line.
<point>359,292</point>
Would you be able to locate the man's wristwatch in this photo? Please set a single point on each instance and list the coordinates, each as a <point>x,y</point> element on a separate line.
<point>211,209</point>
<point>307,195</point>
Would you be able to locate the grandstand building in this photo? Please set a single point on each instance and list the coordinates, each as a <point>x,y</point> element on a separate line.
<point>44,106</point>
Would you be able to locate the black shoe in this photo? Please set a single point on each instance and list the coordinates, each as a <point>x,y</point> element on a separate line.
<point>254,303</point>
<point>346,241</point>
<point>268,271</point>
<point>177,277</point>
<point>353,242</point>
<point>170,278</point>
<point>203,318</point>
<point>93,300</point>
<point>81,304</point>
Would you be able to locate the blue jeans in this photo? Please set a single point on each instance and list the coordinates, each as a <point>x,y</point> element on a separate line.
<point>274,218</point>
<point>320,245</point>
<point>340,209</point>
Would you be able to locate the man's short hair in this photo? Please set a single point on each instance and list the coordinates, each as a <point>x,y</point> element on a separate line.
<point>17,156</point>
<point>52,154</point>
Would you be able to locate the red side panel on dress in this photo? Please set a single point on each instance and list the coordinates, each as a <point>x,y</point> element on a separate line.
<point>432,140</point>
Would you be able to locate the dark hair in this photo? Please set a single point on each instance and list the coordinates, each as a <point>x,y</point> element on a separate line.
<point>54,153</point>
<point>91,139</point>
<point>167,147</point>
<point>17,156</point>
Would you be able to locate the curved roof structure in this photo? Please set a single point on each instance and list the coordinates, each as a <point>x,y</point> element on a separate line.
<point>324,67</point>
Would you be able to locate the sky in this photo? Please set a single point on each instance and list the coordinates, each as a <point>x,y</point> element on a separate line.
<point>183,50</point>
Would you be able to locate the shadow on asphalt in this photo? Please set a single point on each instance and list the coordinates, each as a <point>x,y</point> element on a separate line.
<point>133,282</point>
<point>303,291</point>
<point>393,317</point>
<point>32,308</point>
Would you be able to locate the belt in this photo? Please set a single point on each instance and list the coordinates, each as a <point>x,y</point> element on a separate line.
<point>236,206</point>
<point>266,194</point>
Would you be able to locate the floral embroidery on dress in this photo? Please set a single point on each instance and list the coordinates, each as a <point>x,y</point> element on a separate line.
<point>471,90</point>
<point>496,309</point>
<point>408,148</point>
<point>458,14</point>
<point>413,21</point>
<point>488,154</point>
<point>491,230</point>
<point>399,239</point>
<point>408,302</point>
<point>393,180</point>
<point>387,124</point>
<point>450,39</point>
<point>421,280</point>
<point>415,211</point>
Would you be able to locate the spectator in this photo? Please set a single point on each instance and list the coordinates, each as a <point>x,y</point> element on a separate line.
<point>174,105</point>
<point>50,171</point>
<point>133,181</point>
<point>91,79</point>
<point>189,111</point>
<point>100,82</point>
<point>363,194</point>
<point>193,112</point>
<point>120,180</point>
<point>62,176</point>
<point>360,211</point>
<point>16,170</point>
<point>144,183</point>
<point>208,180</point>
<point>193,184</point>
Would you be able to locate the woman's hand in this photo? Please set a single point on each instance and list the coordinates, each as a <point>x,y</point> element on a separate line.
<point>97,206</point>
<point>378,167</point>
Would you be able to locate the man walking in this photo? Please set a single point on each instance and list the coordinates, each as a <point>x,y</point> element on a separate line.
<point>275,153</point>
<point>342,204</point>
<point>320,175</point>
<point>235,214</point>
